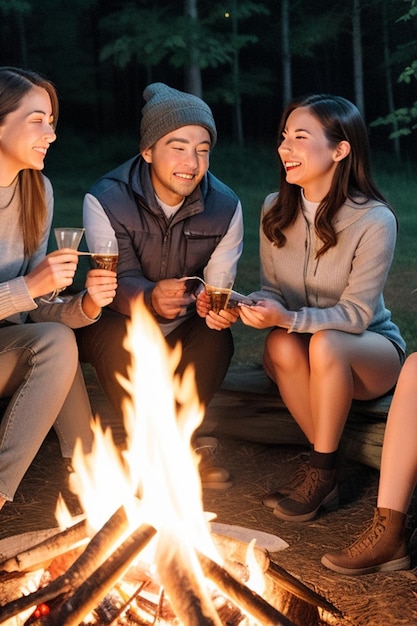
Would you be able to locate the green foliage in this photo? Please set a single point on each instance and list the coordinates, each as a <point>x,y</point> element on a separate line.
<point>405,118</point>
<point>127,39</point>
<point>307,35</point>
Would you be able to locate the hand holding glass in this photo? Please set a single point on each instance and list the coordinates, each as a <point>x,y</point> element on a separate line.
<point>66,238</point>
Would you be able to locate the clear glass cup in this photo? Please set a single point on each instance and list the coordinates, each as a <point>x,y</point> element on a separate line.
<point>219,287</point>
<point>105,253</point>
<point>66,237</point>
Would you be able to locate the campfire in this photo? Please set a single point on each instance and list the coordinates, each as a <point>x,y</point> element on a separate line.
<point>142,552</point>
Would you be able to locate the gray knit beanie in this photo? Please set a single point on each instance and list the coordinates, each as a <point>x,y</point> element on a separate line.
<point>167,109</point>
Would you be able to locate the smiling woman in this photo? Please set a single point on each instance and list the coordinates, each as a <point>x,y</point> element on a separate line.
<point>31,354</point>
<point>327,243</point>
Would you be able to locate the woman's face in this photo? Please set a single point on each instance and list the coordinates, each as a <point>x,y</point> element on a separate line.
<point>26,134</point>
<point>305,152</point>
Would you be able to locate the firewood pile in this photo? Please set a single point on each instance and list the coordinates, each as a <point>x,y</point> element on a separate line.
<point>72,579</point>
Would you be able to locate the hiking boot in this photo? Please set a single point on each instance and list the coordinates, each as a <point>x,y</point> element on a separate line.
<point>319,489</point>
<point>380,548</point>
<point>212,476</point>
<point>272,499</point>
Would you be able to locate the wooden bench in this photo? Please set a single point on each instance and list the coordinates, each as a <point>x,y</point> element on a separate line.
<point>248,407</point>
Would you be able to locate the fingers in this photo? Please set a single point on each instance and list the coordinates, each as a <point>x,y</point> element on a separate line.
<point>101,286</point>
<point>224,319</point>
<point>251,316</point>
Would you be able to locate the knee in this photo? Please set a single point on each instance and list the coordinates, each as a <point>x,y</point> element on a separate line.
<point>410,366</point>
<point>323,348</point>
<point>53,346</point>
<point>64,345</point>
<point>280,349</point>
<point>411,362</point>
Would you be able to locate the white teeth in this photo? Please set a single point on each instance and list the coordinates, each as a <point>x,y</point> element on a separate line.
<point>292,163</point>
<point>186,176</point>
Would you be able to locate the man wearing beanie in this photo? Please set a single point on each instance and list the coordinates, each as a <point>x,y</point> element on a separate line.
<point>172,218</point>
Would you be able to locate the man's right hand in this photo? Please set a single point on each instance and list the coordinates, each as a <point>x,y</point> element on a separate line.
<point>169,297</point>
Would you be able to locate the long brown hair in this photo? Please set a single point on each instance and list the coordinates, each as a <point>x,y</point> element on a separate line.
<point>15,83</point>
<point>341,121</point>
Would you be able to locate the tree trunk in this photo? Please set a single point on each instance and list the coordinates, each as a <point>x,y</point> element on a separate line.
<point>286,54</point>
<point>357,56</point>
<point>192,71</point>
<point>388,78</point>
<point>238,127</point>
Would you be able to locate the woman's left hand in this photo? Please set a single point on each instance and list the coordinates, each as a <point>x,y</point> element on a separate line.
<point>265,314</point>
<point>101,289</point>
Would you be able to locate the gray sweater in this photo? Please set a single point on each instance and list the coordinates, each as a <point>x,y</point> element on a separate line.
<point>15,299</point>
<point>343,288</point>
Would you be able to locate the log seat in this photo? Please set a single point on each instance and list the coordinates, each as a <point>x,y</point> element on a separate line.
<point>248,407</point>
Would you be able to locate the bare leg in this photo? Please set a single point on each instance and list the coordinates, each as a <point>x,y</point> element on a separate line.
<point>345,367</point>
<point>286,363</point>
<point>319,375</point>
<point>318,389</point>
<point>399,453</point>
<point>383,545</point>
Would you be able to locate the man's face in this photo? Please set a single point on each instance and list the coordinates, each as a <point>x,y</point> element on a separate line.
<point>179,161</point>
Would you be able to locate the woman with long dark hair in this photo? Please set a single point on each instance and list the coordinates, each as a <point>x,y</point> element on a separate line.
<point>327,241</point>
<point>39,372</point>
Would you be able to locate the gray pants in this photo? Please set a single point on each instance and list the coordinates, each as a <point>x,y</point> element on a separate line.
<point>40,373</point>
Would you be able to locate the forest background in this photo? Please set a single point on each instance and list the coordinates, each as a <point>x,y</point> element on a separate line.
<point>247,60</point>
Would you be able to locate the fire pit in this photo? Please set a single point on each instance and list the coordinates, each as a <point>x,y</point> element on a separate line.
<point>144,553</point>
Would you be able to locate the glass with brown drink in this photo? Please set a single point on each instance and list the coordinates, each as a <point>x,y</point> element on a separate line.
<point>219,289</point>
<point>105,253</point>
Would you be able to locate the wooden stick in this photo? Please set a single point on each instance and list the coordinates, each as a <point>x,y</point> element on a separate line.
<point>248,600</point>
<point>36,556</point>
<point>88,595</point>
<point>299,589</point>
<point>185,586</point>
<point>93,556</point>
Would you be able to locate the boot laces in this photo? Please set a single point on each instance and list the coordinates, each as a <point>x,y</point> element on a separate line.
<point>369,537</point>
<point>311,487</point>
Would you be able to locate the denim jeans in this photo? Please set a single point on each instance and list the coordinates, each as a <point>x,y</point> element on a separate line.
<point>40,373</point>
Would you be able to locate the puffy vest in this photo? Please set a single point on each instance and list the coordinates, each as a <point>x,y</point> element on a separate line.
<point>165,248</point>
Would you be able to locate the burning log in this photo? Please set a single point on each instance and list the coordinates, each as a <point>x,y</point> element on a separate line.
<point>94,588</point>
<point>180,575</point>
<point>248,600</point>
<point>299,590</point>
<point>93,556</point>
<point>44,552</point>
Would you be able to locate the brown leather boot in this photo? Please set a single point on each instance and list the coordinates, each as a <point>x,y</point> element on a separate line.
<point>380,548</point>
<point>319,489</point>
<point>285,489</point>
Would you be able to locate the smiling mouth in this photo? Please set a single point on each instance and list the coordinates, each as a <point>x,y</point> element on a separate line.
<point>290,165</point>
<point>43,151</point>
<point>185,176</point>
